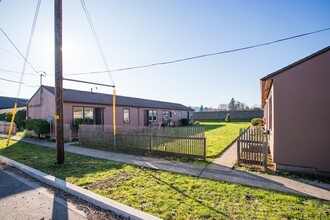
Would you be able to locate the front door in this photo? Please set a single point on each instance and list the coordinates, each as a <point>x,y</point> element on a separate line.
<point>99,116</point>
<point>146,117</point>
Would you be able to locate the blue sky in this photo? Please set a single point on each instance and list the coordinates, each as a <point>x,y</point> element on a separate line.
<point>134,33</point>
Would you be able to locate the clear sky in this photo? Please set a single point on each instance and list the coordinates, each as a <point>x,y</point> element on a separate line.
<point>134,33</point>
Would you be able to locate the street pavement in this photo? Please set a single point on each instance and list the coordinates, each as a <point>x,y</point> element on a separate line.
<point>21,198</point>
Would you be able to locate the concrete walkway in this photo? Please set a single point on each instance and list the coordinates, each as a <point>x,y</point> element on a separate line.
<point>215,171</point>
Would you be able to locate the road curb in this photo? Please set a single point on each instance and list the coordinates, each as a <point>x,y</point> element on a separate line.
<point>100,201</point>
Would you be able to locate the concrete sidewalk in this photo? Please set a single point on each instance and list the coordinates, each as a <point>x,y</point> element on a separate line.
<point>215,171</point>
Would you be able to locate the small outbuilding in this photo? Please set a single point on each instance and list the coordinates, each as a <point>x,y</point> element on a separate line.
<point>296,103</point>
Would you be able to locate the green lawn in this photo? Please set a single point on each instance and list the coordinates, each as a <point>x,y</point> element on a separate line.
<point>168,195</point>
<point>220,134</point>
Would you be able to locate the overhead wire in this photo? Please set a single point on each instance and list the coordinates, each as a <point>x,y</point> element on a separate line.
<point>13,81</point>
<point>203,55</point>
<point>97,40</point>
<point>29,43</point>
<point>18,50</point>
<point>13,71</point>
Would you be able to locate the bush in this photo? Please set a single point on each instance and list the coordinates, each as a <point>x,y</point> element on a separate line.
<point>85,121</point>
<point>8,116</point>
<point>2,116</point>
<point>184,121</point>
<point>228,119</point>
<point>257,122</point>
<point>20,118</point>
<point>196,123</point>
<point>39,126</point>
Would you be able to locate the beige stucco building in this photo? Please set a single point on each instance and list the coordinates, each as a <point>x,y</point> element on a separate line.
<point>296,102</point>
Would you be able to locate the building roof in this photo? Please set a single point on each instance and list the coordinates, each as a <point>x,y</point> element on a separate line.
<point>77,96</point>
<point>9,102</point>
<point>295,63</point>
<point>267,81</point>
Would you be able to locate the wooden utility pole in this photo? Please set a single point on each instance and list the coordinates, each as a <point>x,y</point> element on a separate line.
<point>59,83</point>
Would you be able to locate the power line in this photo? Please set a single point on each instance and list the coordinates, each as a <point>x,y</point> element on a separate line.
<point>21,83</point>
<point>18,50</point>
<point>12,71</point>
<point>204,55</point>
<point>29,44</point>
<point>97,40</point>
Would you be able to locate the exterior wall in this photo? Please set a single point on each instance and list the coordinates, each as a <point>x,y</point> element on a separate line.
<point>136,114</point>
<point>301,110</point>
<point>269,115</point>
<point>41,105</point>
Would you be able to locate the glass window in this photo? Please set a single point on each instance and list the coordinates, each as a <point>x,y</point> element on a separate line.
<point>180,115</point>
<point>152,115</point>
<point>126,115</point>
<point>89,112</point>
<point>78,112</point>
<point>167,115</point>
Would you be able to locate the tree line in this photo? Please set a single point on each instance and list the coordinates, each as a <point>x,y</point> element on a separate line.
<point>233,105</point>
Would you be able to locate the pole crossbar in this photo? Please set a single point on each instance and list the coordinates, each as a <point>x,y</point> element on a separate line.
<point>80,81</point>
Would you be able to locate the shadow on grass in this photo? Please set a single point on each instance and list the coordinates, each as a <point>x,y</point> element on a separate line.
<point>44,159</point>
<point>209,127</point>
<point>188,196</point>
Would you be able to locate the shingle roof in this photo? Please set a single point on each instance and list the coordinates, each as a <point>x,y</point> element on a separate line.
<point>9,102</point>
<point>77,96</point>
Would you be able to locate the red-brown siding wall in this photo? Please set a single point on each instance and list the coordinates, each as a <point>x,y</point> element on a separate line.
<point>301,111</point>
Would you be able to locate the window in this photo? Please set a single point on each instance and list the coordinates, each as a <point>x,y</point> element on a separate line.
<point>83,112</point>
<point>78,112</point>
<point>89,112</point>
<point>180,115</point>
<point>167,115</point>
<point>152,115</point>
<point>126,115</point>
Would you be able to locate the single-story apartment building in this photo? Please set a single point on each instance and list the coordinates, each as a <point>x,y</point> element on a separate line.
<point>97,106</point>
<point>296,103</point>
<point>7,104</point>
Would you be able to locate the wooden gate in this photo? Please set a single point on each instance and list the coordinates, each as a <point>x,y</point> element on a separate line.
<point>252,147</point>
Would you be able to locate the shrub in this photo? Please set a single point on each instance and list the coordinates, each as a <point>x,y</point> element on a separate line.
<point>39,126</point>
<point>257,122</point>
<point>228,119</point>
<point>2,116</point>
<point>79,121</point>
<point>184,121</point>
<point>20,118</point>
<point>8,116</point>
<point>196,123</point>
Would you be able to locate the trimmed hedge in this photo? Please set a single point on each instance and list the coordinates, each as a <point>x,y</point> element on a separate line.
<point>257,122</point>
<point>228,119</point>
<point>39,126</point>
<point>86,121</point>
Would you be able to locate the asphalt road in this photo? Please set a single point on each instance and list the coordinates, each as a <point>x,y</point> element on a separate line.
<point>22,199</point>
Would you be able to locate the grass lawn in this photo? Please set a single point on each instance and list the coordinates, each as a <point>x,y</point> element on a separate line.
<point>168,195</point>
<point>220,134</point>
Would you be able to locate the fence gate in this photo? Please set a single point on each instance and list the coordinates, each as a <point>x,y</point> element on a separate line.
<point>252,147</point>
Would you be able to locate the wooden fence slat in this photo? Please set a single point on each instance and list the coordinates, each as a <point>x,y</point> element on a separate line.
<point>252,147</point>
<point>187,141</point>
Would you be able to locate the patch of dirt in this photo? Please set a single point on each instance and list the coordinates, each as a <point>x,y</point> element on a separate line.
<point>113,181</point>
